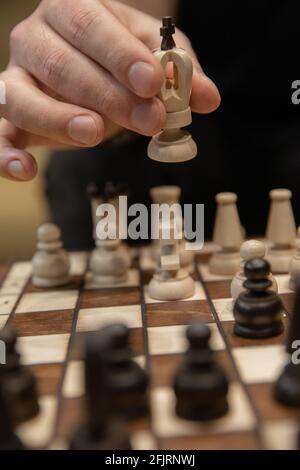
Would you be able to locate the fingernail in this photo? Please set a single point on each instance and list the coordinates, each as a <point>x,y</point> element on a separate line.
<point>17,170</point>
<point>146,117</point>
<point>83,129</point>
<point>141,77</point>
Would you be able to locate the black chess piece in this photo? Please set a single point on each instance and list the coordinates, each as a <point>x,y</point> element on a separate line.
<point>258,310</point>
<point>166,31</point>
<point>127,381</point>
<point>93,190</point>
<point>8,439</point>
<point>18,383</point>
<point>287,386</point>
<point>102,430</point>
<point>200,385</point>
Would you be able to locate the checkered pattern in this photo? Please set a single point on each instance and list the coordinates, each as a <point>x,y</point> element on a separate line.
<point>50,324</point>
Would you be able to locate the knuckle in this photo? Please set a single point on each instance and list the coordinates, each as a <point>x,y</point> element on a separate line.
<point>106,100</point>
<point>16,36</point>
<point>80,23</point>
<point>53,66</point>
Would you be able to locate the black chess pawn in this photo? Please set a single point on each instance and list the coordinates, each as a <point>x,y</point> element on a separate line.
<point>18,383</point>
<point>287,386</point>
<point>258,311</point>
<point>127,381</point>
<point>8,439</point>
<point>200,385</point>
<point>101,430</point>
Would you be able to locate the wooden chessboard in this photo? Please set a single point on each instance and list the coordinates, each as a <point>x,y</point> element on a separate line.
<point>50,324</point>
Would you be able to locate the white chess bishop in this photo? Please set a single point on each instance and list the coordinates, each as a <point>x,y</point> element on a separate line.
<point>174,144</point>
<point>249,250</point>
<point>228,235</point>
<point>294,267</point>
<point>281,231</point>
<point>50,264</point>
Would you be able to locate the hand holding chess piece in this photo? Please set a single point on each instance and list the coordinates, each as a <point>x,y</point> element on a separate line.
<point>173,144</point>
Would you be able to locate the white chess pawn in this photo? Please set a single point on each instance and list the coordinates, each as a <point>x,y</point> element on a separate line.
<point>281,231</point>
<point>294,267</point>
<point>110,262</point>
<point>249,250</point>
<point>50,264</point>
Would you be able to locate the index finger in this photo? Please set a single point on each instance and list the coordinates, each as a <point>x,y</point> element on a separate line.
<point>94,30</point>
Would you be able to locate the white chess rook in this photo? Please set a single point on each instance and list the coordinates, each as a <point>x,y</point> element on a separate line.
<point>50,264</point>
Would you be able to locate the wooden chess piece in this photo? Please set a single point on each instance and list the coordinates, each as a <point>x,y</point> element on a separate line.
<point>110,260</point>
<point>294,266</point>
<point>227,235</point>
<point>173,144</point>
<point>101,430</point>
<point>50,264</point>
<point>170,195</point>
<point>19,386</point>
<point>8,438</point>
<point>287,386</point>
<point>200,384</point>
<point>170,281</point>
<point>258,311</point>
<point>126,380</point>
<point>249,250</point>
<point>281,231</point>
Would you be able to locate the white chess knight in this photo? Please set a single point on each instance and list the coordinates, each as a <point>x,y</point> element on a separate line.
<point>50,264</point>
<point>281,231</point>
<point>170,281</point>
<point>249,250</point>
<point>294,267</point>
<point>171,195</point>
<point>110,260</point>
<point>173,144</point>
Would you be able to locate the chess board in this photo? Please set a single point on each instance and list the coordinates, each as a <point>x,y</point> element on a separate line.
<point>50,325</point>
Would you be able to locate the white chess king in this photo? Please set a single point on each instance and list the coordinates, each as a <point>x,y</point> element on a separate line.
<point>173,144</point>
